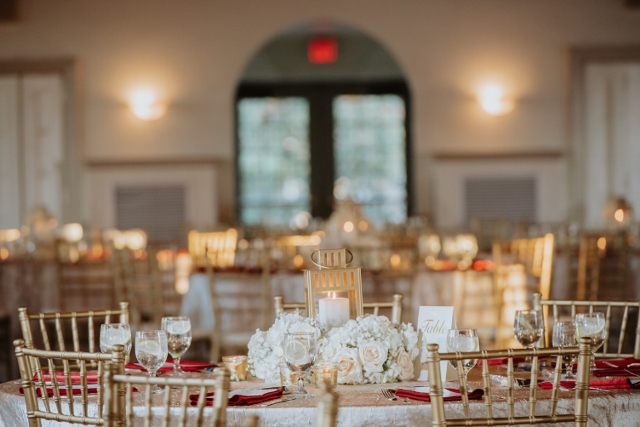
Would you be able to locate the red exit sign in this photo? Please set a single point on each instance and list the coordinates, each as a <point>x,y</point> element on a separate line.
<point>322,50</point>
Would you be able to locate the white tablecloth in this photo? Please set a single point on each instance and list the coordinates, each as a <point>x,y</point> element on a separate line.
<point>364,406</point>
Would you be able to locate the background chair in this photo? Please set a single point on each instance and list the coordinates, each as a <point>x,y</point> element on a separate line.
<point>76,329</point>
<point>119,402</point>
<point>58,368</point>
<point>522,267</point>
<point>622,323</point>
<point>531,416</point>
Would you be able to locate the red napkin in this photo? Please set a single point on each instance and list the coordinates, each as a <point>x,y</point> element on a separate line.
<point>243,397</point>
<point>186,365</point>
<point>505,360</point>
<point>617,383</point>
<point>449,394</point>
<point>617,367</point>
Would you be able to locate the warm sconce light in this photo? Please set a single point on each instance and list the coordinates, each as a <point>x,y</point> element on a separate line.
<point>145,105</point>
<point>72,233</point>
<point>494,101</point>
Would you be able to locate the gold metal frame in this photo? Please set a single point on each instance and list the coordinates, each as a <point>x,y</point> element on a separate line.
<point>31,374</point>
<point>119,398</point>
<point>319,282</point>
<point>578,417</point>
<point>396,306</point>
<point>591,306</point>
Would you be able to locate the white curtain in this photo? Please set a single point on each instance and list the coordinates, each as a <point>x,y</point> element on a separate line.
<point>611,137</point>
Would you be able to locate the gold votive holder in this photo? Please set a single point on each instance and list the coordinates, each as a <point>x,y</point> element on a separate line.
<point>287,376</point>
<point>237,367</point>
<point>325,372</point>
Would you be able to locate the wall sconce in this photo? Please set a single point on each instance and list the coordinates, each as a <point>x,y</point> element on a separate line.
<point>494,101</point>
<point>145,105</point>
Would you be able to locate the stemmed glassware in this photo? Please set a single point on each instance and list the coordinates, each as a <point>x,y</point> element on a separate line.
<point>115,333</point>
<point>300,354</point>
<point>592,325</point>
<point>151,351</point>
<point>178,330</point>
<point>527,329</point>
<point>463,340</point>
<point>564,335</point>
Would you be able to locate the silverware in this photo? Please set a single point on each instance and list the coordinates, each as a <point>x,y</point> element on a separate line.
<point>389,394</point>
<point>281,400</point>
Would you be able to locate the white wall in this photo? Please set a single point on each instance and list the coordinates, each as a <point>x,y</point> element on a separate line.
<point>194,51</point>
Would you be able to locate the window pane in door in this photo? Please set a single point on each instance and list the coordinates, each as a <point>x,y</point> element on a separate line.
<point>273,159</point>
<point>369,149</point>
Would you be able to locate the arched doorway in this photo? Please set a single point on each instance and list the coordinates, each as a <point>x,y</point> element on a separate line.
<point>317,103</point>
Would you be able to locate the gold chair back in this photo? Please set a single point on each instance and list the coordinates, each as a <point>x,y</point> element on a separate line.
<point>58,367</point>
<point>522,266</point>
<point>218,246</point>
<point>618,315</point>
<point>59,323</point>
<point>395,305</point>
<point>532,416</point>
<point>120,407</point>
<point>331,258</point>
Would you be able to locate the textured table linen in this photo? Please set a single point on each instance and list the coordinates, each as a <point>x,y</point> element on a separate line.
<point>364,405</point>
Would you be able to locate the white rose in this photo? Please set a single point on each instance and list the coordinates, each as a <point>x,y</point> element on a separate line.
<point>406,366</point>
<point>349,369</point>
<point>373,355</point>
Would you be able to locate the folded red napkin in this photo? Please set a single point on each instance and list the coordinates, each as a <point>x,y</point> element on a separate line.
<point>92,377</point>
<point>616,383</point>
<point>243,397</point>
<point>449,394</point>
<point>186,365</point>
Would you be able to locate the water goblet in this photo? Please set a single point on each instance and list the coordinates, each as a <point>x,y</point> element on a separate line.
<point>463,340</point>
<point>527,329</point>
<point>300,354</point>
<point>151,351</point>
<point>592,326</point>
<point>564,335</point>
<point>115,333</point>
<point>178,330</point>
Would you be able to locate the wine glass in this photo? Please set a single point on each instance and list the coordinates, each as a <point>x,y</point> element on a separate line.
<point>527,329</point>
<point>564,335</point>
<point>592,325</point>
<point>178,330</point>
<point>115,333</point>
<point>300,354</point>
<point>151,351</point>
<point>463,340</point>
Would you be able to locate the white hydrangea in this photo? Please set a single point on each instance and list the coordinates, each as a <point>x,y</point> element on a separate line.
<point>265,348</point>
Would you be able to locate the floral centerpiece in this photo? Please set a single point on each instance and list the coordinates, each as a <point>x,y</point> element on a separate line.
<point>369,349</point>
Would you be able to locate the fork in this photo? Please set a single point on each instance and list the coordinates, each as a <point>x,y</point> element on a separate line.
<point>389,394</point>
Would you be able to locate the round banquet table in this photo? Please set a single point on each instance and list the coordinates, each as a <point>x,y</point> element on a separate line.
<point>364,405</point>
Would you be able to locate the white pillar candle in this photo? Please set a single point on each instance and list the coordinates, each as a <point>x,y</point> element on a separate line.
<point>333,312</point>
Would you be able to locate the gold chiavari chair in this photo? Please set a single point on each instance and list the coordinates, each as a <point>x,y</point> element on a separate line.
<point>530,415</point>
<point>58,403</point>
<point>327,408</point>
<point>618,318</point>
<point>522,267</point>
<point>395,305</point>
<point>82,324</point>
<point>120,406</point>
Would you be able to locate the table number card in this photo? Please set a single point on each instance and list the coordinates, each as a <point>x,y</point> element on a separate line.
<point>433,324</point>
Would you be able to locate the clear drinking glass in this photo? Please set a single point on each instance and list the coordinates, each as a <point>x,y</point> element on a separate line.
<point>300,354</point>
<point>592,325</point>
<point>528,329</point>
<point>115,333</point>
<point>151,351</point>
<point>463,340</point>
<point>564,335</point>
<point>178,330</point>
